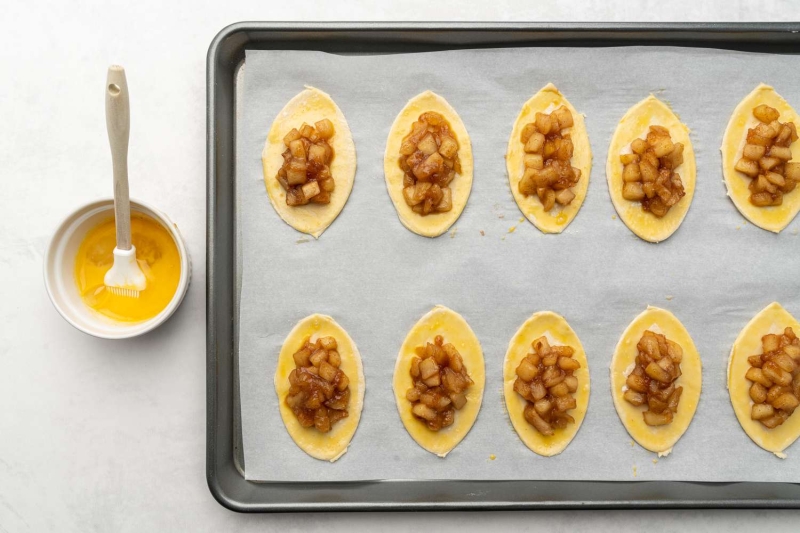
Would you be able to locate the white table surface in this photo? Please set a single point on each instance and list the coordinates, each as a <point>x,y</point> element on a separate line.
<point>110,436</point>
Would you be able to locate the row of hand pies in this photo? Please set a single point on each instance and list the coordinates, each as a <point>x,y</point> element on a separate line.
<point>312,105</point>
<point>443,321</point>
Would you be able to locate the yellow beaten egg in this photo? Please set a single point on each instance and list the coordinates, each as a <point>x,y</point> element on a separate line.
<point>157,255</point>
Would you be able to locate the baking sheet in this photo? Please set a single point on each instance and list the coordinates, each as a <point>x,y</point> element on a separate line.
<point>714,273</point>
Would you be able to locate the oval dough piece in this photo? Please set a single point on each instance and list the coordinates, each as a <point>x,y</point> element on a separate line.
<point>332,445</point>
<point>434,224</point>
<point>771,319</point>
<point>634,125</point>
<point>452,326</point>
<point>557,219</point>
<point>658,439</point>
<point>558,332</point>
<point>310,106</point>
<point>772,218</point>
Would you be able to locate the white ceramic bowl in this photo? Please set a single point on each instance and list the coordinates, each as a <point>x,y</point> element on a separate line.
<point>59,272</point>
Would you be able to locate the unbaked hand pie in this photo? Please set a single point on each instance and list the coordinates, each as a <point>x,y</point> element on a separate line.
<point>309,162</point>
<point>651,170</point>
<point>439,380</point>
<point>764,379</point>
<point>549,160</point>
<point>761,159</point>
<point>320,386</point>
<point>656,376</point>
<point>546,383</point>
<point>428,165</point>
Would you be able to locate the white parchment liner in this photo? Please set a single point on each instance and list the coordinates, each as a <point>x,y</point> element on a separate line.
<point>376,278</point>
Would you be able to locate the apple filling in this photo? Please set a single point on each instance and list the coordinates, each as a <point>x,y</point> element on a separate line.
<point>775,375</point>
<point>306,173</point>
<point>546,380</point>
<point>548,147</point>
<point>319,394</point>
<point>652,381</point>
<point>765,158</point>
<point>440,382</point>
<point>429,161</point>
<point>648,174</point>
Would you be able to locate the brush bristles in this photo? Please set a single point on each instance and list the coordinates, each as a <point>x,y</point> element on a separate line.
<point>119,291</point>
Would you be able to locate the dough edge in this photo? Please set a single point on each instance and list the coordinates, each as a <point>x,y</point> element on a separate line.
<point>691,379</point>
<point>530,206</point>
<point>774,219</point>
<point>425,329</point>
<point>333,445</point>
<point>642,224</point>
<point>432,225</point>
<point>780,438</point>
<point>538,324</point>
<point>312,219</point>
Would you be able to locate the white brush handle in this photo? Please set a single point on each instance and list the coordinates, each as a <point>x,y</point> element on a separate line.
<point>118,123</point>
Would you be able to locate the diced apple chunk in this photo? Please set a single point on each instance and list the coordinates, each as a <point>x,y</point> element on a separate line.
<point>318,154</point>
<point>754,151</point>
<point>565,196</point>
<point>633,191</point>
<point>765,113</point>
<point>311,189</point>
<point>446,203</point>
<point>782,153</point>
<point>663,146</point>
<point>448,147</point>
<point>748,167</point>
<point>427,145</point>
<point>535,143</point>
<point>293,135</point>
<point>564,117</point>
<point>324,128</point>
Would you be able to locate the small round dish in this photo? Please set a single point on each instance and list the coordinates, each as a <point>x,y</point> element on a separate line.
<point>59,271</point>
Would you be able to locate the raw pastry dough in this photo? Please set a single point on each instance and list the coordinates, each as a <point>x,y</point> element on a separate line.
<point>658,439</point>
<point>332,445</point>
<point>558,332</point>
<point>434,224</point>
<point>635,125</point>
<point>310,106</point>
<point>557,219</point>
<point>769,218</point>
<point>452,326</point>
<point>771,319</point>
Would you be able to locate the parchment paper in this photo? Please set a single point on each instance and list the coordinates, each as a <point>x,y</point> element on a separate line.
<point>496,269</point>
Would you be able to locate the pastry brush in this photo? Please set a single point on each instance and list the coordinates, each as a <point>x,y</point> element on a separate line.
<point>125,278</point>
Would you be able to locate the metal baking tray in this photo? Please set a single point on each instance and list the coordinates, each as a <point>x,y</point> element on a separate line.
<point>224,458</point>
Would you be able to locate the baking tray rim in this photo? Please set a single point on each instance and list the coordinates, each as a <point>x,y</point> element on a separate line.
<point>725,34</point>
